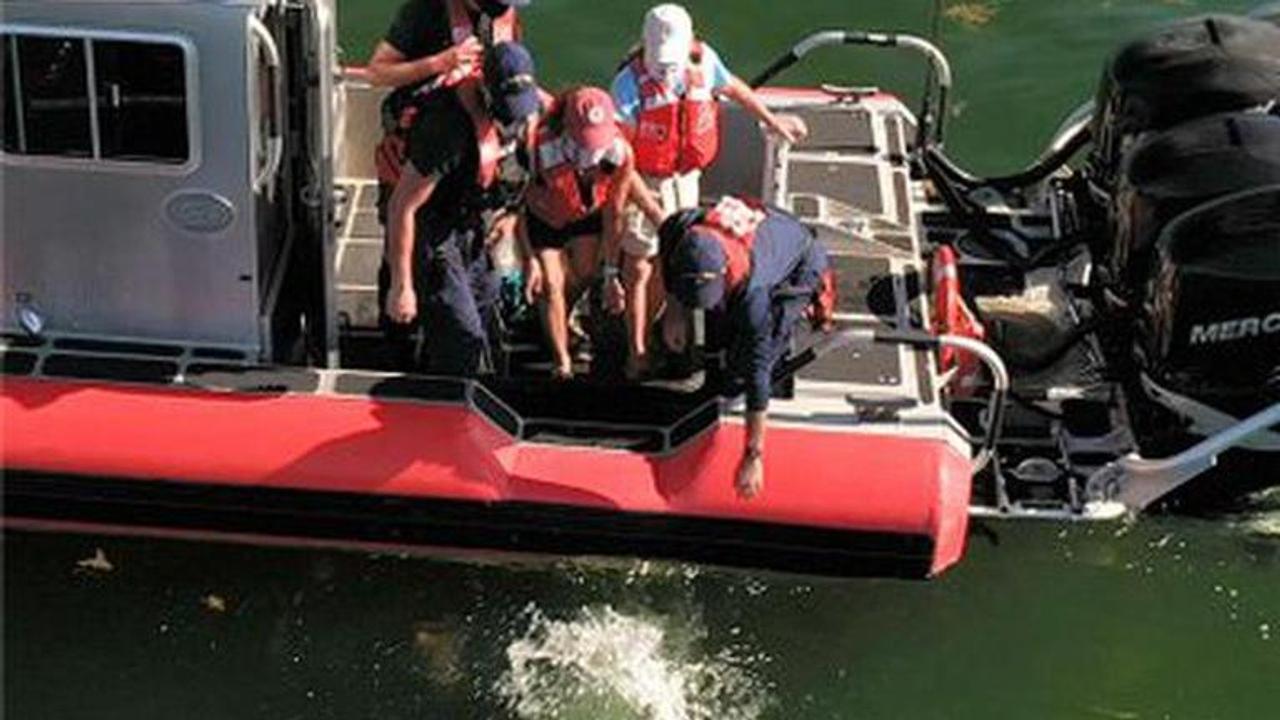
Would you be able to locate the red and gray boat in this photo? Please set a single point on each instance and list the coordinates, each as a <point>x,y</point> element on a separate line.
<point>191,345</point>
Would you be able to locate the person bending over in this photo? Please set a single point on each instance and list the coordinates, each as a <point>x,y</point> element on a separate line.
<point>581,179</point>
<point>668,93</point>
<point>756,271</point>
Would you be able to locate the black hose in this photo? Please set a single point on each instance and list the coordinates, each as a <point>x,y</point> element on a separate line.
<point>1034,173</point>
<point>775,68</point>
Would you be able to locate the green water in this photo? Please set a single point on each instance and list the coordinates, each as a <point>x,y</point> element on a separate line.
<point>1169,618</point>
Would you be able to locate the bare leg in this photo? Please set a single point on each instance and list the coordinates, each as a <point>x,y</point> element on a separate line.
<point>637,276</point>
<point>584,253</point>
<point>555,312</point>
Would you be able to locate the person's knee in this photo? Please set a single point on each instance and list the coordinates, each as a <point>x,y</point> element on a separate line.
<point>636,271</point>
<point>554,283</point>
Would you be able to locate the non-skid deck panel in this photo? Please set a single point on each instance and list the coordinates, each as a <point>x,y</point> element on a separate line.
<point>876,365</point>
<point>837,128</point>
<point>865,285</point>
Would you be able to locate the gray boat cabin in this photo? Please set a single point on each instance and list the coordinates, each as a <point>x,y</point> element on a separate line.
<point>166,170</point>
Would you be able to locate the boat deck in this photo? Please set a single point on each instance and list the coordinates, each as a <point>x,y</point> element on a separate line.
<point>848,182</point>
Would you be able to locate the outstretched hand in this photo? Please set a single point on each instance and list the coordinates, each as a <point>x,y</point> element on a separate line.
<point>792,128</point>
<point>750,479</point>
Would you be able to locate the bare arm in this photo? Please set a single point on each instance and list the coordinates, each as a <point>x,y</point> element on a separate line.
<point>389,67</point>
<point>623,191</point>
<point>412,192</point>
<point>750,478</point>
<point>790,127</point>
<point>529,260</point>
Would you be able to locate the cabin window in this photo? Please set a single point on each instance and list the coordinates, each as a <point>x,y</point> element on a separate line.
<point>54,101</point>
<point>142,101</point>
<point>9,99</point>
<point>120,100</point>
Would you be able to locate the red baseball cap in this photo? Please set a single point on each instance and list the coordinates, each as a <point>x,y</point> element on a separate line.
<point>590,118</point>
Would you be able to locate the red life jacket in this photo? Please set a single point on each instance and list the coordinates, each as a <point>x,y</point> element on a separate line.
<point>734,221</point>
<point>389,155</point>
<point>554,195</point>
<point>676,134</point>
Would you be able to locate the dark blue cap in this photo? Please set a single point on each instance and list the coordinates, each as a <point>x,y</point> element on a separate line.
<point>697,270</point>
<point>509,75</point>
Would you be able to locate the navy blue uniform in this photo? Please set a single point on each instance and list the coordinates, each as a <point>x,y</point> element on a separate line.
<point>455,279</point>
<point>787,263</point>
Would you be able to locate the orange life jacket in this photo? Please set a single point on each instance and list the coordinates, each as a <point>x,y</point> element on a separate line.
<point>676,133</point>
<point>489,146</point>
<point>733,222</point>
<point>389,155</point>
<point>555,194</point>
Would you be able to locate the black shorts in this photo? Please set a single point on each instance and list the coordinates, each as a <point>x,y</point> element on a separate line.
<point>544,237</point>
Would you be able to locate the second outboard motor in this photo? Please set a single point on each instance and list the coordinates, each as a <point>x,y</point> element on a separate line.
<point>1192,68</point>
<point>1210,325</point>
<point>1167,173</point>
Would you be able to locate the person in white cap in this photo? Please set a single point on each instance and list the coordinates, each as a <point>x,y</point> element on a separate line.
<point>667,94</point>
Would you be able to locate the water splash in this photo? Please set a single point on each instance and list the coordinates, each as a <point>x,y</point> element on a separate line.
<point>1261,516</point>
<point>607,664</point>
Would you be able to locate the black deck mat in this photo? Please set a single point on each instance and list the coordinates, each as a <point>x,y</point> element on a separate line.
<point>874,364</point>
<point>586,401</point>
<point>865,286</point>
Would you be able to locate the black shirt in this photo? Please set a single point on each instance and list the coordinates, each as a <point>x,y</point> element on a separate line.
<point>421,29</point>
<point>442,146</point>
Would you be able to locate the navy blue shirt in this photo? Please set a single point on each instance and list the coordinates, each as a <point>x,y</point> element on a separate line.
<point>787,263</point>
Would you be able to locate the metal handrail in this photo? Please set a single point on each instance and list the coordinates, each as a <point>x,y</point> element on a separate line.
<point>824,38</point>
<point>274,143</point>
<point>999,372</point>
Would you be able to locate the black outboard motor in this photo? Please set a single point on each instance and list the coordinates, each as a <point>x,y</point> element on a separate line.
<point>1210,327</point>
<point>1164,174</point>
<point>1192,68</point>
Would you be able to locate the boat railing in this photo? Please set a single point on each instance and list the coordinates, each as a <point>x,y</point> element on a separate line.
<point>1138,482</point>
<point>930,121</point>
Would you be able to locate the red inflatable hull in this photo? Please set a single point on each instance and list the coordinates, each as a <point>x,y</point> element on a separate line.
<point>267,455</point>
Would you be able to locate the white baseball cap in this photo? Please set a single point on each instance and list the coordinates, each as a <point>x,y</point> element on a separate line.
<point>668,35</point>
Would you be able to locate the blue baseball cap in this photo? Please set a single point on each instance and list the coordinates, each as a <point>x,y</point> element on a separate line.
<point>697,270</point>
<point>509,76</point>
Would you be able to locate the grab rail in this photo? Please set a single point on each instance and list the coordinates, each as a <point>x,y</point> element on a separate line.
<point>864,336</point>
<point>274,142</point>
<point>824,38</point>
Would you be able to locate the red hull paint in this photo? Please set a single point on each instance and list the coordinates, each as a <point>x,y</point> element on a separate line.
<point>339,444</point>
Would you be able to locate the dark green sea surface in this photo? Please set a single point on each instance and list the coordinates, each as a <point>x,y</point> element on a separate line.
<point>1171,618</point>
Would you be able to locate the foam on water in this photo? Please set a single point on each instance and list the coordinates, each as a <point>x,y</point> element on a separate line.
<point>603,663</point>
<point>1262,516</point>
